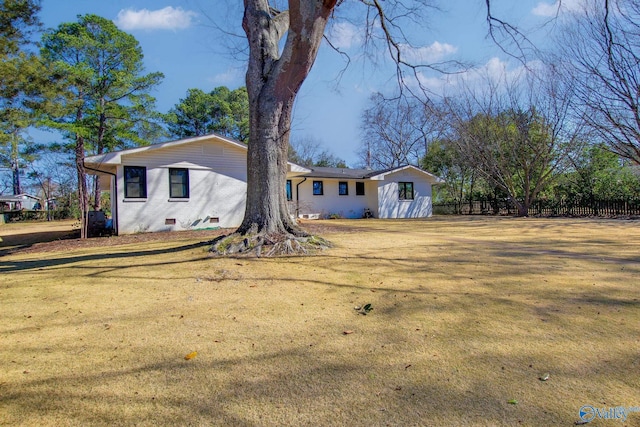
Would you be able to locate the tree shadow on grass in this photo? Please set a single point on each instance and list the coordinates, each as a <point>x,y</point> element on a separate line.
<point>313,387</point>
<point>16,242</point>
<point>16,265</point>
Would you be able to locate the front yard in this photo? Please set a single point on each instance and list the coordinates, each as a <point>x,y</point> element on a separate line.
<point>468,314</point>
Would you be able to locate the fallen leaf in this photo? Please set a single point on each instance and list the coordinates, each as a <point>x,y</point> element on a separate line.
<point>512,401</point>
<point>191,355</point>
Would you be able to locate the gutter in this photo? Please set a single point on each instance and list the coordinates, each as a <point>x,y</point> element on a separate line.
<point>298,197</point>
<point>115,189</point>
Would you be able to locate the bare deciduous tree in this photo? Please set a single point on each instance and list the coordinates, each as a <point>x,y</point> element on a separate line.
<point>283,45</point>
<point>397,131</point>
<point>308,151</point>
<point>600,48</point>
<point>273,79</point>
<point>515,134</point>
<point>275,74</point>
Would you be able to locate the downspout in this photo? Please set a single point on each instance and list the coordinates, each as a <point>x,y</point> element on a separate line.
<point>115,190</point>
<point>298,197</point>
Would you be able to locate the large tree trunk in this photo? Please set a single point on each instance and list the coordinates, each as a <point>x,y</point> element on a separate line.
<point>273,81</point>
<point>97,191</point>
<point>15,173</point>
<point>15,164</point>
<point>83,199</point>
<point>266,210</point>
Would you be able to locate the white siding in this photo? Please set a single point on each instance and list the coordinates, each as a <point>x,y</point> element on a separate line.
<point>217,189</point>
<point>330,203</point>
<point>390,206</point>
<point>225,159</point>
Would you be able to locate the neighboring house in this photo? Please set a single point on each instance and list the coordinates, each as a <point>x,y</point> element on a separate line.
<point>201,182</point>
<point>19,202</point>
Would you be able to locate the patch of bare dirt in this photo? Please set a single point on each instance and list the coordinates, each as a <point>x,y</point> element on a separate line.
<point>72,241</point>
<point>56,241</point>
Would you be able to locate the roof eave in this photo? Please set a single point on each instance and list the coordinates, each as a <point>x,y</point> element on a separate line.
<point>433,178</point>
<point>115,157</point>
<point>296,168</point>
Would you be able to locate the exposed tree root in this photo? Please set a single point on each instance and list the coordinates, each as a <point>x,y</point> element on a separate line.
<point>267,245</point>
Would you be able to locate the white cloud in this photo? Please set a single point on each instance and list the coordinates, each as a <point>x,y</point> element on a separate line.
<point>545,9</point>
<point>231,77</point>
<point>344,35</point>
<point>494,70</point>
<point>436,85</point>
<point>426,54</point>
<point>168,18</point>
<point>552,9</point>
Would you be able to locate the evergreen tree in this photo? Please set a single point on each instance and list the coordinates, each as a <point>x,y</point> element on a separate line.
<point>223,111</point>
<point>107,103</point>
<point>19,77</point>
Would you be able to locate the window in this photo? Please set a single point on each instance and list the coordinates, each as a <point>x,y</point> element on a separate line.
<point>317,188</point>
<point>405,190</point>
<point>179,183</point>
<point>289,190</point>
<point>135,182</point>
<point>359,188</point>
<point>343,188</point>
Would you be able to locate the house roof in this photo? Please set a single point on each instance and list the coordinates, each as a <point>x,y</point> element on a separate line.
<point>17,197</point>
<point>345,173</point>
<point>115,157</point>
<point>382,173</point>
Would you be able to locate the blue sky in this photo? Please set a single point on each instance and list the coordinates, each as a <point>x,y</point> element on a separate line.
<point>179,38</point>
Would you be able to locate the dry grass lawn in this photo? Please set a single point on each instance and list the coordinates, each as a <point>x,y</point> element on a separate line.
<point>28,233</point>
<point>467,314</point>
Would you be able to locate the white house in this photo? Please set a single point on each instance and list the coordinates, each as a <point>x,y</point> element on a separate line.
<point>201,182</point>
<point>18,202</point>
<point>403,192</point>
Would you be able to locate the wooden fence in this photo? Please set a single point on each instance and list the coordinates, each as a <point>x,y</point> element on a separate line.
<point>600,208</point>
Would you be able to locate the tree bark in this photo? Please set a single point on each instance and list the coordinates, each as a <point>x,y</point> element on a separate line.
<point>15,174</point>
<point>15,164</point>
<point>273,80</point>
<point>82,186</point>
<point>83,199</point>
<point>97,203</point>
